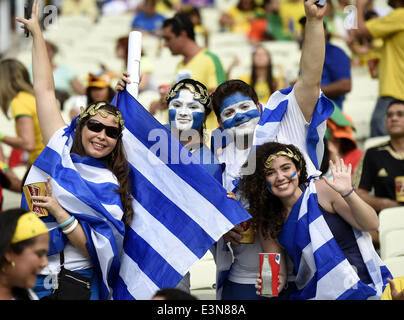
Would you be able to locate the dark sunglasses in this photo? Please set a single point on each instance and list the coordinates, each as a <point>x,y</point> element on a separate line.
<point>96,126</point>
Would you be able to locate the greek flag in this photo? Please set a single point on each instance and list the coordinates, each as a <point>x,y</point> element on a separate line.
<point>268,127</point>
<point>321,269</point>
<point>180,210</point>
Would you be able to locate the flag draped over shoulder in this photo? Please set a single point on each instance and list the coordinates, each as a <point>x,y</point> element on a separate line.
<point>321,269</point>
<point>180,210</point>
<point>273,112</point>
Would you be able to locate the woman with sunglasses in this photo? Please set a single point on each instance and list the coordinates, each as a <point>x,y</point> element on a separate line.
<point>97,138</point>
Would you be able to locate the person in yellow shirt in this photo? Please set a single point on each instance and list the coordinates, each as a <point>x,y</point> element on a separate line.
<point>390,28</point>
<point>394,290</point>
<point>291,11</point>
<point>17,96</point>
<point>199,63</point>
<point>261,77</point>
<point>239,17</point>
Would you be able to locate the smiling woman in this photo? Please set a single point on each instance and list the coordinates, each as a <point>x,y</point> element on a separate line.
<point>323,217</point>
<point>24,243</point>
<point>92,148</point>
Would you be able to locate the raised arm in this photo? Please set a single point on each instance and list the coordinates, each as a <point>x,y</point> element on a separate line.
<point>307,87</point>
<point>49,116</point>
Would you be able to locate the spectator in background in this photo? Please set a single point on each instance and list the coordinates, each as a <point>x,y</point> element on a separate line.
<point>391,63</point>
<point>198,63</point>
<point>147,81</point>
<point>291,11</point>
<point>98,89</point>
<point>261,77</point>
<point>341,143</point>
<point>382,167</point>
<point>238,18</point>
<point>17,96</point>
<point>80,7</point>
<point>66,81</point>
<point>24,243</point>
<point>147,20</point>
<point>268,25</point>
<point>195,16</point>
<point>336,76</point>
<point>159,108</point>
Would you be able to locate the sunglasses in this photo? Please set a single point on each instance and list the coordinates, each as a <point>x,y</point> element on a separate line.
<point>96,126</point>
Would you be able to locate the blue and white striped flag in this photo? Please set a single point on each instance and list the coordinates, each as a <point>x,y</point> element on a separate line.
<point>321,269</point>
<point>268,127</point>
<point>180,210</point>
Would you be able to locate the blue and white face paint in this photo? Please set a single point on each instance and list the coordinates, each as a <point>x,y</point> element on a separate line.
<point>239,114</point>
<point>185,113</point>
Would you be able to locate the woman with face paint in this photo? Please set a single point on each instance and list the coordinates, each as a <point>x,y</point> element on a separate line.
<point>276,192</point>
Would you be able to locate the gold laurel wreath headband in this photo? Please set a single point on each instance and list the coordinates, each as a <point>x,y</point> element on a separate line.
<point>203,97</point>
<point>95,108</point>
<point>288,153</point>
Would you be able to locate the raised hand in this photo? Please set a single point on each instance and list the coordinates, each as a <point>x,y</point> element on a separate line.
<point>314,11</point>
<point>123,81</point>
<point>32,23</point>
<point>341,173</point>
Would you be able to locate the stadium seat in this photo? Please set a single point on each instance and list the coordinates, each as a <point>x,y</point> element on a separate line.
<point>393,244</point>
<point>372,142</point>
<point>390,219</point>
<point>395,266</point>
<point>203,273</point>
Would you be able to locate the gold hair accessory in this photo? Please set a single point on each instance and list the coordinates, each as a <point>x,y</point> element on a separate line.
<point>28,226</point>
<point>288,153</point>
<point>202,95</point>
<point>95,108</point>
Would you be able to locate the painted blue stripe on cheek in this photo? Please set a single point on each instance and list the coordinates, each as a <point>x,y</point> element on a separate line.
<point>269,186</point>
<point>198,118</point>
<point>171,115</point>
<point>240,118</point>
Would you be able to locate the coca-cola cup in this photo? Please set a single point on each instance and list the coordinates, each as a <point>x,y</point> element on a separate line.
<point>269,274</point>
<point>35,189</point>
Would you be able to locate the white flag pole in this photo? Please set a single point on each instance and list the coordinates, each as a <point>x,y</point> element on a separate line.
<point>134,54</point>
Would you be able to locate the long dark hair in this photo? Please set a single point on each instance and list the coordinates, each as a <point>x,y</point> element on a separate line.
<point>265,208</point>
<point>116,161</point>
<point>269,77</point>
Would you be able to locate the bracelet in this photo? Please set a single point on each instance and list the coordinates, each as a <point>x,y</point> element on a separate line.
<point>72,227</point>
<point>67,222</point>
<point>2,135</point>
<point>346,195</point>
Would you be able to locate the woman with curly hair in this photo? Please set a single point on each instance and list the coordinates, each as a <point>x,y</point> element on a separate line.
<point>316,226</point>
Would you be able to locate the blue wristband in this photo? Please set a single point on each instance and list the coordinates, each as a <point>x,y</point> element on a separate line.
<point>67,222</point>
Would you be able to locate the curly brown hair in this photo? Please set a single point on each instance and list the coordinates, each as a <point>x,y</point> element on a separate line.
<point>265,208</point>
<point>116,162</point>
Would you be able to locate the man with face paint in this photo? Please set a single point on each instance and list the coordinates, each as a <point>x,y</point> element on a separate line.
<point>238,111</point>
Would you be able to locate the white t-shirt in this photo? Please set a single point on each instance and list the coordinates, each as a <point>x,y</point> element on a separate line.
<point>246,260</point>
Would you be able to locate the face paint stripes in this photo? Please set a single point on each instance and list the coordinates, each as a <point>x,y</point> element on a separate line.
<point>269,187</point>
<point>233,99</point>
<point>293,175</point>
<point>240,118</point>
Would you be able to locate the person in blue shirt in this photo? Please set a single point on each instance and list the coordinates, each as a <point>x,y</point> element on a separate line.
<point>336,76</point>
<point>147,20</point>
